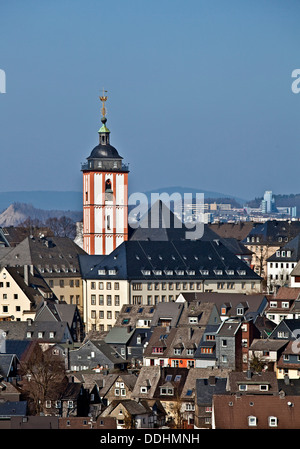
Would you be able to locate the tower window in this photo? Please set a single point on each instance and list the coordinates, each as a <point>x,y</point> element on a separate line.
<point>108,186</point>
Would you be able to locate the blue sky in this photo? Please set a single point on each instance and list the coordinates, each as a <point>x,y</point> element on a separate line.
<point>199,92</point>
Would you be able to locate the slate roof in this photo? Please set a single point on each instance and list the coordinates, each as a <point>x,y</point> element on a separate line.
<point>267,344</point>
<point>266,378</point>
<point>238,231</point>
<point>272,231</point>
<point>293,246</point>
<point>130,314</point>
<point>231,412</point>
<point>6,361</point>
<point>255,303</point>
<point>170,260</point>
<point>36,288</point>
<point>148,377</point>
<point>13,408</point>
<point>189,391</point>
<point>17,330</point>
<point>206,388</point>
<point>167,310</point>
<point>119,335</point>
<point>49,254</point>
<point>161,337</point>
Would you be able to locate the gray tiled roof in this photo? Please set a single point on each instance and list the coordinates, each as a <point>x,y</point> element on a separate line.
<point>51,253</point>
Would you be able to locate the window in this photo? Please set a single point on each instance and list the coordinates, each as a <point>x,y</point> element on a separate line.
<point>272,421</point>
<point>252,421</point>
<point>93,300</point>
<point>101,300</point>
<point>61,283</point>
<point>224,343</point>
<point>243,387</point>
<point>264,387</point>
<point>48,404</point>
<point>117,300</point>
<point>117,285</point>
<point>5,309</point>
<point>240,311</point>
<point>16,296</point>
<point>70,404</point>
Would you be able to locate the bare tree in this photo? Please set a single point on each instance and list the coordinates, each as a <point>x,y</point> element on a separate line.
<point>62,227</point>
<point>44,379</point>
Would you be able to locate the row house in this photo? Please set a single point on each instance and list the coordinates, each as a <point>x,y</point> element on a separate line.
<point>150,272</point>
<point>285,304</point>
<point>176,389</point>
<point>266,352</point>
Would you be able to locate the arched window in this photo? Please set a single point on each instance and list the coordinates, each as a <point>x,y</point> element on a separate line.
<point>108,186</point>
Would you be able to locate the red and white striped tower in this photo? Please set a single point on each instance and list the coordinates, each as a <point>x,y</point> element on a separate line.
<point>105,195</point>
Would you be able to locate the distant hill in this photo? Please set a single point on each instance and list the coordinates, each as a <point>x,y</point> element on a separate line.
<point>209,196</point>
<point>46,200</point>
<point>17,213</point>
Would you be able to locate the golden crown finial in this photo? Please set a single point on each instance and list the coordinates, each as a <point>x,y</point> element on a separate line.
<point>103,98</point>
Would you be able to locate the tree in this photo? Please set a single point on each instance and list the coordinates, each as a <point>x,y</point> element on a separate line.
<point>43,379</point>
<point>62,227</point>
<point>256,364</point>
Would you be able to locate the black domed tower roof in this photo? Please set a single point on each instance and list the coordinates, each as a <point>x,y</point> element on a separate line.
<point>104,156</point>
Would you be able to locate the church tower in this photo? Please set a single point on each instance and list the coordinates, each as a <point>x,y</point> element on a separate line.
<point>105,195</point>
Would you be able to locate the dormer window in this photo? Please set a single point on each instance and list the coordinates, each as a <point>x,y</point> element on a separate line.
<point>240,311</point>
<point>252,421</point>
<point>272,421</point>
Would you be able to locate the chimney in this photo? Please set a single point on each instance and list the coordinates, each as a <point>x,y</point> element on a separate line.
<point>248,374</point>
<point>26,274</point>
<point>191,331</point>
<point>212,380</point>
<point>286,379</point>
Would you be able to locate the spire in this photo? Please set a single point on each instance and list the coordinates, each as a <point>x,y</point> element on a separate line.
<point>103,131</point>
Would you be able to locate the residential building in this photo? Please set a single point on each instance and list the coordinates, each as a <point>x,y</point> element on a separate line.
<point>281,264</point>
<point>95,355</point>
<point>68,313</point>
<point>256,412</point>
<point>289,362</point>
<point>130,414</point>
<point>56,259</point>
<point>205,389</point>
<point>267,352</point>
<point>229,344</point>
<point>283,305</point>
<point>250,382</point>
<point>266,238</point>
<point>22,292</point>
<point>230,305</point>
